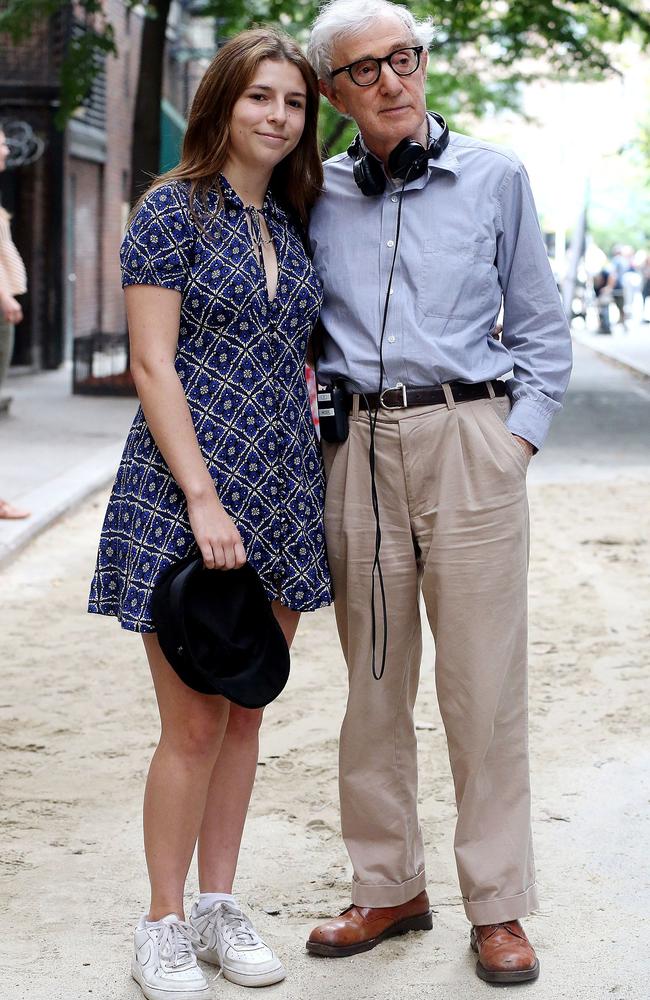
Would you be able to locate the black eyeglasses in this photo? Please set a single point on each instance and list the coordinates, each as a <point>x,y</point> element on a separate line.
<point>365,72</point>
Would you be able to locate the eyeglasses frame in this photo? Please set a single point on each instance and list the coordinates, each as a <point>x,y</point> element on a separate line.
<point>418,49</point>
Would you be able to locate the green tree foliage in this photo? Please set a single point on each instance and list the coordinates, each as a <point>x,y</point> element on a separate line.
<point>644,147</point>
<point>84,51</point>
<point>482,52</point>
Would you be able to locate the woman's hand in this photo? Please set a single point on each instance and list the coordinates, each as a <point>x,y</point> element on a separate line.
<point>216,535</point>
<point>11,309</point>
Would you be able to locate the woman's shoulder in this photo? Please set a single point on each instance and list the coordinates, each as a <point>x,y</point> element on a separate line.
<point>162,224</point>
<point>170,196</point>
<point>164,209</point>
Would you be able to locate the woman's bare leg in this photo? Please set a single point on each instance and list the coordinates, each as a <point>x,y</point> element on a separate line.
<point>192,731</point>
<point>231,785</point>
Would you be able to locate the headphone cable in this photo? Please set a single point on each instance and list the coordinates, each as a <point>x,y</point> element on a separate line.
<point>372,459</point>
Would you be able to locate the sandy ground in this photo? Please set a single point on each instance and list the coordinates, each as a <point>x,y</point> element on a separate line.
<point>78,725</point>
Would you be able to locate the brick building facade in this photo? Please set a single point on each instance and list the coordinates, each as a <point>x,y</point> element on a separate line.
<point>97,187</point>
<point>70,207</point>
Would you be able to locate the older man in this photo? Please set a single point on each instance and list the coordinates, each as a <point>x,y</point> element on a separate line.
<point>409,332</point>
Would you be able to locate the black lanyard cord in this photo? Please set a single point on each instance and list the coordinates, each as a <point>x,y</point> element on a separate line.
<point>372,461</point>
<point>376,566</point>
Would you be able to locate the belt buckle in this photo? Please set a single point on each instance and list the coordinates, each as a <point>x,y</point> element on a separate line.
<point>393,388</point>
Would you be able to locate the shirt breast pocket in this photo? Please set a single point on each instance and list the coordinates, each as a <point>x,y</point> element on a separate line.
<point>454,278</point>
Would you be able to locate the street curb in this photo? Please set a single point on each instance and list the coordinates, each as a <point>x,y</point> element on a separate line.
<point>55,498</point>
<point>630,365</point>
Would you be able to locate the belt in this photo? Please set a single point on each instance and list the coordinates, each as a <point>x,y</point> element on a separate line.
<point>399,396</point>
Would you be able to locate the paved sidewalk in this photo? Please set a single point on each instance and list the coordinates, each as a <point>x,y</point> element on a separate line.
<point>630,348</point>
<point>56,448</point>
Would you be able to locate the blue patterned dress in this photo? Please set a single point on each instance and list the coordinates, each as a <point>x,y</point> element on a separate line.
<point>240,359</point>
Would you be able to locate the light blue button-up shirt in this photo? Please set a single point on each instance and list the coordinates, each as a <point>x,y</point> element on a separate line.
<point>470,241</point>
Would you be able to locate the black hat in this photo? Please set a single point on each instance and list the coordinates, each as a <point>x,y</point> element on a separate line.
<point>218,631</point>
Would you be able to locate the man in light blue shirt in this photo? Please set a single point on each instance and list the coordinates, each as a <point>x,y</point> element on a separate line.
<point>470,239</point>
<point>418,253</point>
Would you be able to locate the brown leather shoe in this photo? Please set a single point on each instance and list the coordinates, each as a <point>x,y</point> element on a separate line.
<point>505,955</point>
<point>360,928</point>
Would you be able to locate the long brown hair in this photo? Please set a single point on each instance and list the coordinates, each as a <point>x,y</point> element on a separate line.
<point>298,179</point>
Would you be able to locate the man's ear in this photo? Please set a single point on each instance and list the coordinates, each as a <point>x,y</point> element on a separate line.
<point>328,91</point>
<point>424,62</point>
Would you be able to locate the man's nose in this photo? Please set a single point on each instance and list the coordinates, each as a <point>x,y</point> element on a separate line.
<point>389,81</point>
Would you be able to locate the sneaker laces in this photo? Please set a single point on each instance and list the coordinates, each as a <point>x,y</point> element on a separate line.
<point>235,926</point>
<point>175,943</point>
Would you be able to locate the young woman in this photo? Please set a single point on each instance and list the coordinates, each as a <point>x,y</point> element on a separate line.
<point>221,299</point>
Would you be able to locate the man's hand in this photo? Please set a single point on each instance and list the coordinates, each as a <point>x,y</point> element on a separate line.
<point>526,445</point>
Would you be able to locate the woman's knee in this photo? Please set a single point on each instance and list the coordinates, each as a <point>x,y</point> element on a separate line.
<point>198,736</point>
<point>244,723</point>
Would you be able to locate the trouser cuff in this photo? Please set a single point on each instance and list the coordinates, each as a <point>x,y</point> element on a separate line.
<point>498,911</point>
<point>390,894</point>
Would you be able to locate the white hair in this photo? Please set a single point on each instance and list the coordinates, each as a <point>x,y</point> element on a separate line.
<point>352,17</point>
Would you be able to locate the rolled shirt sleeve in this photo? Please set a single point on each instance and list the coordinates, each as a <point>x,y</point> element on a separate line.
<point>535,329</point>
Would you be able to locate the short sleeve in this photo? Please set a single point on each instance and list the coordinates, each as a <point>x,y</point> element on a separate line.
<point>158,247</point>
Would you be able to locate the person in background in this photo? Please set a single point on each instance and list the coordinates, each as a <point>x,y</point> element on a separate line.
<point>13,282</point>
<point>621,265</point>
<point>632,284</point>
<point>603,297</point>
<point>644,268</point>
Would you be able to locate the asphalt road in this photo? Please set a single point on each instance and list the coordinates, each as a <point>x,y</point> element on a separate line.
<point>78,725</point>
<point>604,427</point>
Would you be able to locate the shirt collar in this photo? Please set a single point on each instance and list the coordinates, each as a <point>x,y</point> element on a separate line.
<point>270,206</point>
<point>447,162</point>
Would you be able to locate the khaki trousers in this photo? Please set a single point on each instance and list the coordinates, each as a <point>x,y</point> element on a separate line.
<point>451,482</point>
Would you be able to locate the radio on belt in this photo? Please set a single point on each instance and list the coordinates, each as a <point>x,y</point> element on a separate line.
<point>333,408</point>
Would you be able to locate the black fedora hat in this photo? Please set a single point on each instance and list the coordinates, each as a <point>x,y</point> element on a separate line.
<point>218,631</point>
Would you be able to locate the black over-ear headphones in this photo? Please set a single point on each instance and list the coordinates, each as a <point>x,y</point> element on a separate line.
<point>408,160</point>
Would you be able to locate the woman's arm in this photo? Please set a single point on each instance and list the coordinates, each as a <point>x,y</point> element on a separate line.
<point>154,319</point>
<point>9,306</point>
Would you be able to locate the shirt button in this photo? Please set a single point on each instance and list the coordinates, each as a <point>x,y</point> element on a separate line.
<point>391,339</point>
<point>394,198</point>
<point>390,244</point>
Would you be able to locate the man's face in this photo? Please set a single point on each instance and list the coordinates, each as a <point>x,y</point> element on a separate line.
<point>390,109</point>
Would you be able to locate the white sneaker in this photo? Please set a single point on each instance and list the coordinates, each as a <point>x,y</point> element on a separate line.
<point>164,963</point>
<point>228,939</point>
